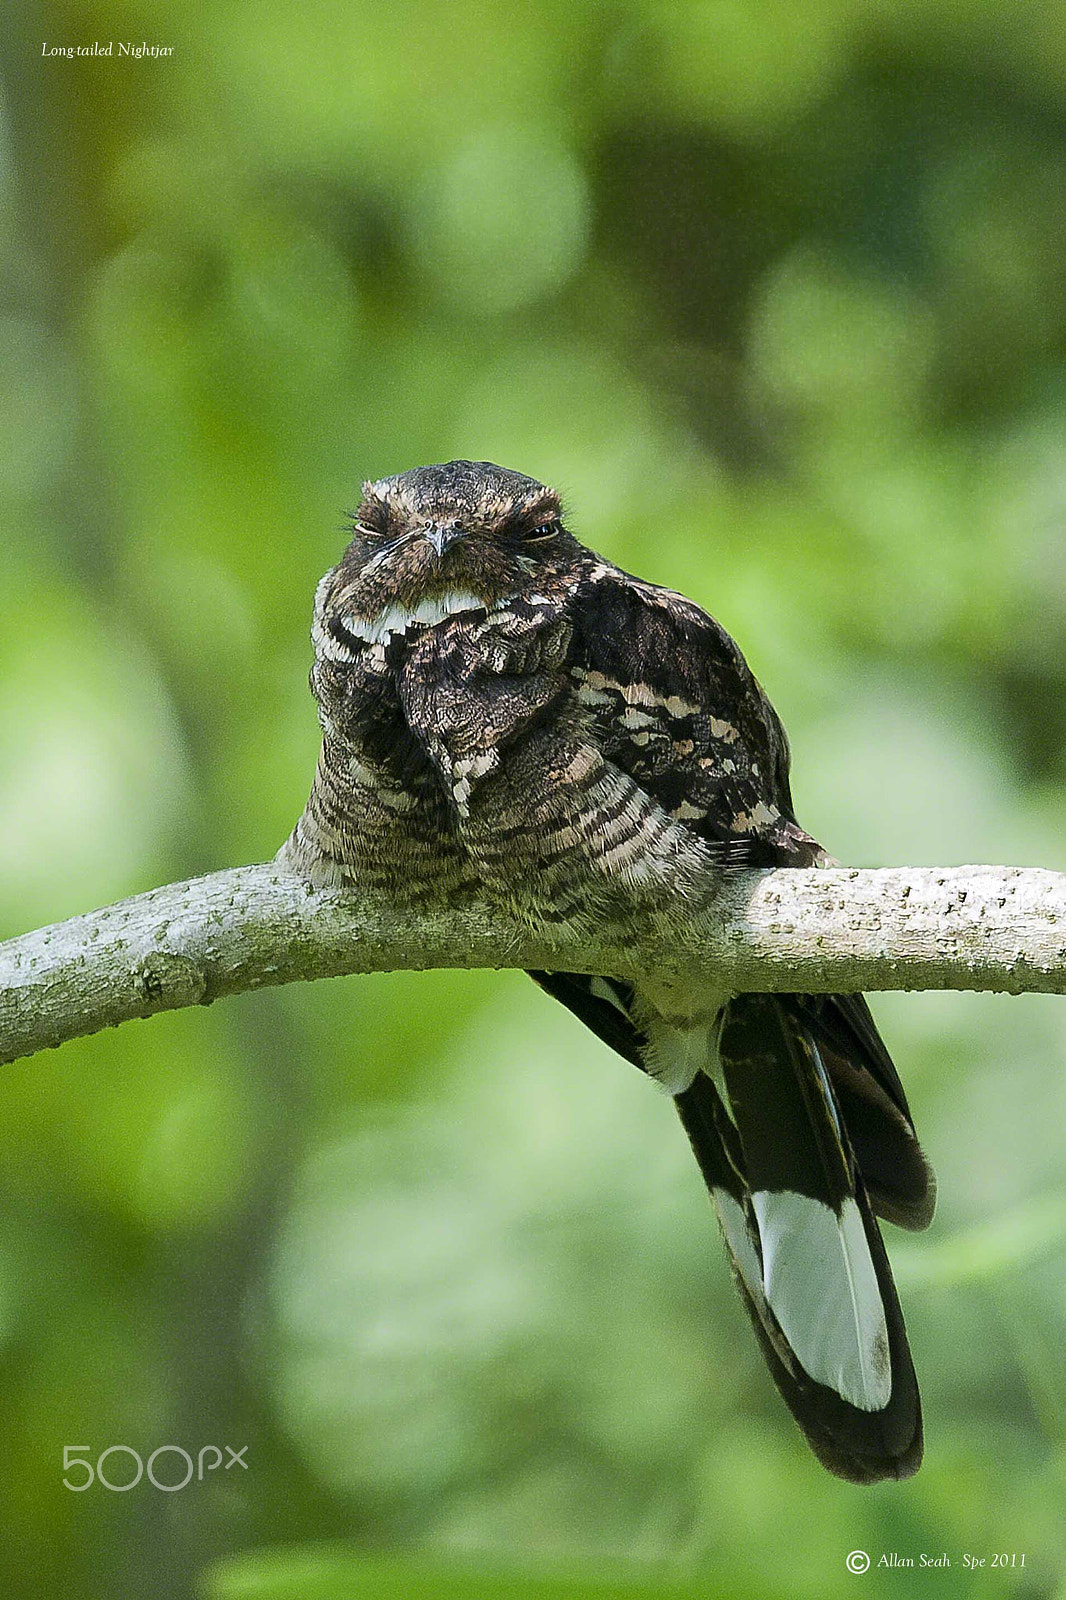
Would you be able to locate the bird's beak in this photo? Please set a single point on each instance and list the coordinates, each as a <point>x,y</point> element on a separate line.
<point>443,535</point>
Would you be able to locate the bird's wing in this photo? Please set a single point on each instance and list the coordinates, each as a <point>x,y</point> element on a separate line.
<point>770,1092</point>
<point>676,706</point>
<point>678,709</point>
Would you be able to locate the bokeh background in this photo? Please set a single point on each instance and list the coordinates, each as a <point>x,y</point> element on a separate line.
<point>775,294</point>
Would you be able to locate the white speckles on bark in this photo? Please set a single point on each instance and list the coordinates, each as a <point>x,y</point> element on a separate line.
<point>795,930</point>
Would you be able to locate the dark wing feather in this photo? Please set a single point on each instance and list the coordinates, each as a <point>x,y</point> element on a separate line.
<point>608,1019</point>
<point>811,1112</point>
<point>641,656</point>
<point>675,705</point>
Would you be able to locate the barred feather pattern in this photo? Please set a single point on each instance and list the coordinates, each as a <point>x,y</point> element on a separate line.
<point>506,714</point>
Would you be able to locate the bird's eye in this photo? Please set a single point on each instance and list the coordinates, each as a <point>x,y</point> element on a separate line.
<point>543,530</point>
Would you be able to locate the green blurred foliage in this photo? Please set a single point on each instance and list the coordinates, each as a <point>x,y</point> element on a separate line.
<point>774,294</point>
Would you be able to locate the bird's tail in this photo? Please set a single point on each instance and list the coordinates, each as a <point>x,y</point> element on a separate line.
<point>802,1131</point>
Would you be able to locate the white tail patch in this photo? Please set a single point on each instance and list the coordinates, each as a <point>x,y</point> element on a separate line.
<point>820,1283</point>
<point>738,1238</point>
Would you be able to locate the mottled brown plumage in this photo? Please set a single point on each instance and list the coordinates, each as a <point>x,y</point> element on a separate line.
<point>506,714</point>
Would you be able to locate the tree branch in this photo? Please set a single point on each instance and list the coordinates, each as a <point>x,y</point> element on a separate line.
<point>836,930</point>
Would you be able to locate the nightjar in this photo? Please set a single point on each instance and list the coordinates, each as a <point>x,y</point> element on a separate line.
<point>505,714</point>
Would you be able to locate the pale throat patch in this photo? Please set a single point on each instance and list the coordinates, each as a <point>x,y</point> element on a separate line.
<point>426,614</point>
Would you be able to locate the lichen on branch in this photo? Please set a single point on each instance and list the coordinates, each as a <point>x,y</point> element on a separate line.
<point>800,930</point>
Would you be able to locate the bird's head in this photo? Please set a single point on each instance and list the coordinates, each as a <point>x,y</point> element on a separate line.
<point>466,529</point>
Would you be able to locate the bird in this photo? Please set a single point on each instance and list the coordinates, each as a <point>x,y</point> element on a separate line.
<point>507,716</point>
